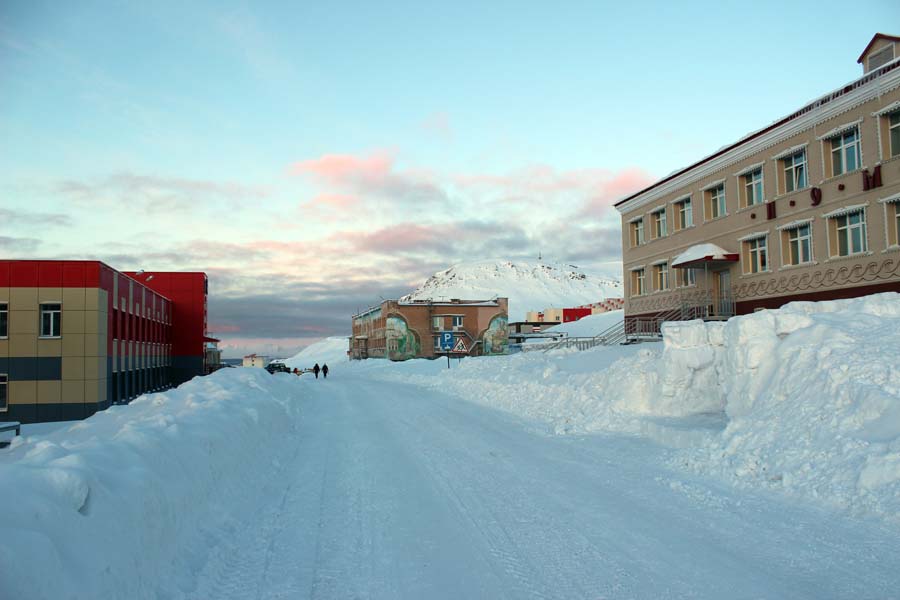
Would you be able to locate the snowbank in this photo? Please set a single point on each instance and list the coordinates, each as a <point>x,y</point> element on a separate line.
<point>332,350</point>
<point>590,325</point>
<point>805,399</point>
<point>101,508</point>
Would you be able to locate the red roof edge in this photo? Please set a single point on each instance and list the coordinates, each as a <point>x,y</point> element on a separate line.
<point>877,36</point>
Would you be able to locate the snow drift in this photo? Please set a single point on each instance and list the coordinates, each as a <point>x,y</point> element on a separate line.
<point>106,505</point>
<point>332,350</point>
<point>805,399</point>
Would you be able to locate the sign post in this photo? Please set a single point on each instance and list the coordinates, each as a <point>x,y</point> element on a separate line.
<point>447,344</point>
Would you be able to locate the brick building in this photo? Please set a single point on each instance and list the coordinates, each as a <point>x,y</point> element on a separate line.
<point>402,330</point>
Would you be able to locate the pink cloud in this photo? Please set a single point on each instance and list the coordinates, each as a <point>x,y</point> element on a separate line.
<point>611,190</point>
<point>333,201</point>
<point>373,174</point>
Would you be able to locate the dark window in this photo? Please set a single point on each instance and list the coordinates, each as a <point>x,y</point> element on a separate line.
<point>51,316</point>
<point>3,396</point>
<point>4,320</point>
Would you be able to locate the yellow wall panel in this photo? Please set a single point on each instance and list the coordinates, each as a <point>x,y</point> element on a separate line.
<point>50,294</point>
<point>73,344</point>
<point>23,321</point>
<point>92,299</point>
<point>93,368</point>
<point>23,344</point>
<point>91,388</point>
<point>22,392</point>
<point>4,294</point>
<point>73,367</point>
<point>4,348</point>
<point>49,347</point>
<point>72,321</point>
<point>92,321</point>
<point>72,392</point>
<point>48,392</point>
<point>73,298</point>
<point>22,298</point>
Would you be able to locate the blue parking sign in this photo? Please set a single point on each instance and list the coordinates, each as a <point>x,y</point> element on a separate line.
<point>446,341</point>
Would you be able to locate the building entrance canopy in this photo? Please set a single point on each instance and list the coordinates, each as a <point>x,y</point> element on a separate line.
<point>704,255</point>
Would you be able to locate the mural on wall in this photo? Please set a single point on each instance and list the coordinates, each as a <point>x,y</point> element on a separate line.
<point>496,338</point>
<point>402,342</point>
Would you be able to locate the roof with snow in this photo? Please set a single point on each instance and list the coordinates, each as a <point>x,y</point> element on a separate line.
<point>696,256</point>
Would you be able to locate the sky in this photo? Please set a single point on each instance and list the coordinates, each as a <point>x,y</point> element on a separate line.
<point>314,157</point>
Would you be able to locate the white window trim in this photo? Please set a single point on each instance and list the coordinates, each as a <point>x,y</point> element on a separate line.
<point>675,210</point>
<point>754,236</point>
<point>812,248</point>
<point>840,213</point>
<point>768,268</point>
<point>883,112</point>
<point>846,210</point>
<point>713,184</point>
<point>791,151</point>
<point>750,169</point>
<point>635,219</point>
<point>888,246</point>
<point>795,224</point>
<point>636,268</point>
<point>41,319</point>
<point>6,310</point>
<point>709,189</point>
<point>661,261</point>
<point>779,172</point>
<point>840,129</point>
<point>741,186</point>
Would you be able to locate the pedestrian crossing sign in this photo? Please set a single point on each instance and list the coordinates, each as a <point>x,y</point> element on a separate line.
<point>460,345</point>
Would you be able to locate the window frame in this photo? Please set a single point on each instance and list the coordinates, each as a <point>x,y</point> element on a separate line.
<point>57,322</point>
<point>679,222</point>
<point>4,392</point>
<point>712,199</point>
<point>750,255</point>
<point>833,225</point>
<point>856,144</point>
<point>437,323</point>
<point>659,223</point>
<point>637,232</point>
<point>789,172</point>
<point>4,320</point>
<point>787,254</point>
<point>638,274</point>
<point>660,276</point>
<point>748,182</point>
<point>890,129</point>
<point>454,324</point>
<point>685,278</point>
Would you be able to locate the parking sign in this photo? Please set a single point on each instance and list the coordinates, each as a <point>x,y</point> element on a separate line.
<point>446,340</point>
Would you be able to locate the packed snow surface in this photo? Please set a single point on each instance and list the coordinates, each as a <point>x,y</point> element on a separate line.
<point>759,458</point>
<point>530,286</point>
<point>588,326</point>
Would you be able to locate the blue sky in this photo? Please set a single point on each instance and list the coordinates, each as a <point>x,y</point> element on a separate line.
<point>312,156</point>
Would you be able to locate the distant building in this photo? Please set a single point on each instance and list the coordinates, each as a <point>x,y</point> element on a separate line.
<point>77,336</point>
<point>255,360</point>
<point>807,208</point>
<point>403,330</point>
<point>567,315</point>
<point>213,356</point>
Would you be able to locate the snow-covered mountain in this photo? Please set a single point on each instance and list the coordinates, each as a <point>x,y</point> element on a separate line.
<point>528,285</point>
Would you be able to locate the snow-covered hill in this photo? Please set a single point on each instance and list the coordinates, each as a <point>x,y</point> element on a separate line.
<point>330,350</point>
<point>528,285</point>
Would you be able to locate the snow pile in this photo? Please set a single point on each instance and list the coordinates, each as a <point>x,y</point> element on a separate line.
<point>530,286</point>
<point>331,351</point>
<point>126,503</point>
<point>805,399</point>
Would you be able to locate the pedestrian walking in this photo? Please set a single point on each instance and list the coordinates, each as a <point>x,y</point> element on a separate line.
<point>325,371</point>
<point>316,370</point>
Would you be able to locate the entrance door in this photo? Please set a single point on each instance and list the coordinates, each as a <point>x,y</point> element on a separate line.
<point>724,301</point>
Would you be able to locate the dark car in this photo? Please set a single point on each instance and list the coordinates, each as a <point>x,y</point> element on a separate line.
<point>277,367</point>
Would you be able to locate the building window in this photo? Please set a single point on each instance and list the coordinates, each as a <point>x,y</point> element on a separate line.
<point>661,276</point>
<point>637,282</point>
<point>658,220</point>
<point>437,343</point>
<point>51,316</point>
<point>637,232</point>
<point>894,133</point>
<point>845,152</point>
<point>684,214</point>
<point>4,395</point>
<point>4,320</point>
<point>756,255</point>
<point>715,202</point>
<point>437,323</point>
<point>685,277</point>
<point>794,169</point>
<point>796,245</point>
<point>752,188</point>
<point>848,233</point>
<point>457,321</point>
<point>893,223</point>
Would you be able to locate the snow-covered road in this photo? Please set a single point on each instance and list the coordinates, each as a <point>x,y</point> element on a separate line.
<point>399,492</point>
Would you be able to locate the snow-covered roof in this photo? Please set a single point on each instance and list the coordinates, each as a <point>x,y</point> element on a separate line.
<point>703,253</point>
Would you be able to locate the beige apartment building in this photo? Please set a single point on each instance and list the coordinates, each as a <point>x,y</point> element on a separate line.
<point>807,208</point>
<point>402,330</point>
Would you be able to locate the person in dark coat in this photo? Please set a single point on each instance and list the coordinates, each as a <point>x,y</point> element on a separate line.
<point>325,370</point>
<point>316,370</point>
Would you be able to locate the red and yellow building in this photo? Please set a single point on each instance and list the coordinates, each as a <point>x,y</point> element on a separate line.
<point>77,336</point>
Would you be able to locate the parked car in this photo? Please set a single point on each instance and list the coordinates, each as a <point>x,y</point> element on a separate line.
<point>277,367</point>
